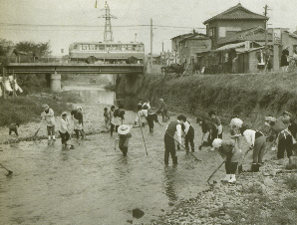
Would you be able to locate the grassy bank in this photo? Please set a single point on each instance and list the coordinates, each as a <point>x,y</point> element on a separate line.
<point>26,109</point>
<point>250,96</point>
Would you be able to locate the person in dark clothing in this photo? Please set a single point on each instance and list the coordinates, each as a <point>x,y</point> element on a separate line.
<point>77,118</point>
<point>118,119</point>
<point>217,122</point>
<point>13,127</point>
<point>207,127</point>
<point>173,128</point>
<point>124,137</point>
<point>284,59</point>
<point>189,136</point>
<point>163,110</point>
<point>151,118</point>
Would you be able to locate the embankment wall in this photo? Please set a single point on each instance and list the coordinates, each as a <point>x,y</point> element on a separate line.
<point>250,96</point>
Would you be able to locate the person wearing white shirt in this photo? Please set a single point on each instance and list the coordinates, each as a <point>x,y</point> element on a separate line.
<point>235,125</point>
<point>257,142</point>
<point>174,128</point>
<point>64,129</point>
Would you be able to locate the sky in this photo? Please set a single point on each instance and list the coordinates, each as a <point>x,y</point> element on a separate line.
<point>63,22</point>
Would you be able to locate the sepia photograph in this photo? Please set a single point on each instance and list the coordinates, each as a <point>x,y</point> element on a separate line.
<point>148,112</point>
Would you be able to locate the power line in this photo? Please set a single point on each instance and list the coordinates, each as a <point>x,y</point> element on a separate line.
<point>96,26</point>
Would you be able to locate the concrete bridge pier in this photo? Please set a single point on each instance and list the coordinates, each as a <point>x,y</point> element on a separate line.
<point>132,86</point>
<point>55,82</point>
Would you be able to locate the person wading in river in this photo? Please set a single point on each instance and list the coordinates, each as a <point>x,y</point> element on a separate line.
<point>48,116</point>
<point>151,118</point>
<point>64,130</point>
<point>173,128</point>
<point>77,118</point>
<point>189,136</point>
<point>124,137</point>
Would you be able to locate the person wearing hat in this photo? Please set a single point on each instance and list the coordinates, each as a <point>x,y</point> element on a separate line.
<point>163,109</point>
<point>117,119</point>
<point>124,137</point>
<point>257,142</point>
<point>172,129</point>
<point>64,129</point>
<point>141,116</point>
<point>48,116</point>
<point>151,118</point>
<point>77,118</point>
<point>229,151</point>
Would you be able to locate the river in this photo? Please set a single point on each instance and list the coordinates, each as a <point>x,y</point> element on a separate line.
<point>93,183</point>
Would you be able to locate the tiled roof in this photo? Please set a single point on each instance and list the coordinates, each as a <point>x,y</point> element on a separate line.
<point>196,36</point>
<point>252,34</point>
<point>237,12</point>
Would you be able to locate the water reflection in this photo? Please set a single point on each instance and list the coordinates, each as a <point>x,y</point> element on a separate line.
<point>98,96</point>
<point>170,176</point>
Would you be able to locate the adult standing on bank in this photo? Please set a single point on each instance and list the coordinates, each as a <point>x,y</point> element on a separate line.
<point>48,116</point>
<point>173,128</point>
<point>284,59</point>
<point>163,109</point>
<point>78,121</point>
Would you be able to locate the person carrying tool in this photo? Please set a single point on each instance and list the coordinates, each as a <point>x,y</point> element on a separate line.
<point>284,139</point>
<point>77,118</point>
<point>189,134</point>
<point>64,130</point>
<point>173,128</point>
<point>141,116</point>
<point>48,116</point>
<point>231,153</point>
<point>124,137</point>
<point>257,142</point>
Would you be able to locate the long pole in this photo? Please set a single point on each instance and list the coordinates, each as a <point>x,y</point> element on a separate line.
<point>3,83</point>
<point>13,84</point>
<point>151,59</point>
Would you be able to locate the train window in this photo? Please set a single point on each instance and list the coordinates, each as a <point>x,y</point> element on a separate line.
<point>101,47</point>
<point>75,47</point>
<point>129,47</point>
<point>85,47</point>
<point>92,47</point>
<point>96,47</point>
<point>107,47</point>
<point>134,47</point>
<point>124,47</point>
<point>114,47</point>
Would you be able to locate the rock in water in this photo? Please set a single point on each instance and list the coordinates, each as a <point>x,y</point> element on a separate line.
<point>137,213</point>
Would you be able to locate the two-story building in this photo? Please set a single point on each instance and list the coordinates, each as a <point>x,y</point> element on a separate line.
<point>231,21</point>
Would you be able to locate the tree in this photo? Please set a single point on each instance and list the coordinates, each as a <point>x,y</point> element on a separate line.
<point>39,50</point>
<point>5,47</point>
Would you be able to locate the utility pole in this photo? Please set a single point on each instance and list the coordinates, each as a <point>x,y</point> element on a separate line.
<point>265,14</point>
<point>151,59</point>
<point>108,36</point>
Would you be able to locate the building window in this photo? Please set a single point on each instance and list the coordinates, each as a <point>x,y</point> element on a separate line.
<point>212,32</point>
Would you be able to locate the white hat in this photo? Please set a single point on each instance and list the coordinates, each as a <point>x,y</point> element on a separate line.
<point>123,129</point>
<point>45,106</point>
<point>79,107</point>
<point>64,113</point>
<point>217,143</point>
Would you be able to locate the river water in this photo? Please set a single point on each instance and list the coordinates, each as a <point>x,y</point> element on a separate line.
<point>95,184</point>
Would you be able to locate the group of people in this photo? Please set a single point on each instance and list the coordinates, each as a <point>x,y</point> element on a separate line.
<point>48,117</point>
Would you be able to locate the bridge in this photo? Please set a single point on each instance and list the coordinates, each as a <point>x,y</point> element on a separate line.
<point>132,71</point>
<point>71,68</point>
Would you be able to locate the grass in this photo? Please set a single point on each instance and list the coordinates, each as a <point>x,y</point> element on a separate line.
<point>291,182</point>
<point>26,109</point>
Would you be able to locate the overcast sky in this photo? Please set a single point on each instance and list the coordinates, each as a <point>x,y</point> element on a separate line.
<point>66,21</point>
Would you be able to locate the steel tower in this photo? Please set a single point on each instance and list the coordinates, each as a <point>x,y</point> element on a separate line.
<point>108,36</point>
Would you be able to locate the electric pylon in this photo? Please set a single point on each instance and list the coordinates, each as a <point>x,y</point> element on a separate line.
<point>108,36</point>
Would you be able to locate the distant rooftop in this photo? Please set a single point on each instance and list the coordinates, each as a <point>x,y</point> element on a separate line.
<point>237,12</point>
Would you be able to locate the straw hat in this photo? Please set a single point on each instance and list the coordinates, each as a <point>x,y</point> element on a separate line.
<point>79,107</point>
<point>217,143</point>
<point>287,113</point>
<point>45,106</point>
<point>123,129</point>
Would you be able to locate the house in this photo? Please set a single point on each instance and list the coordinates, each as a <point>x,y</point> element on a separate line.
<point>233,20</point>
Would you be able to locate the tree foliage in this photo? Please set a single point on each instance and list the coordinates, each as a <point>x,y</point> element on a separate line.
<point>40,49</point>
<point>5,46</point>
